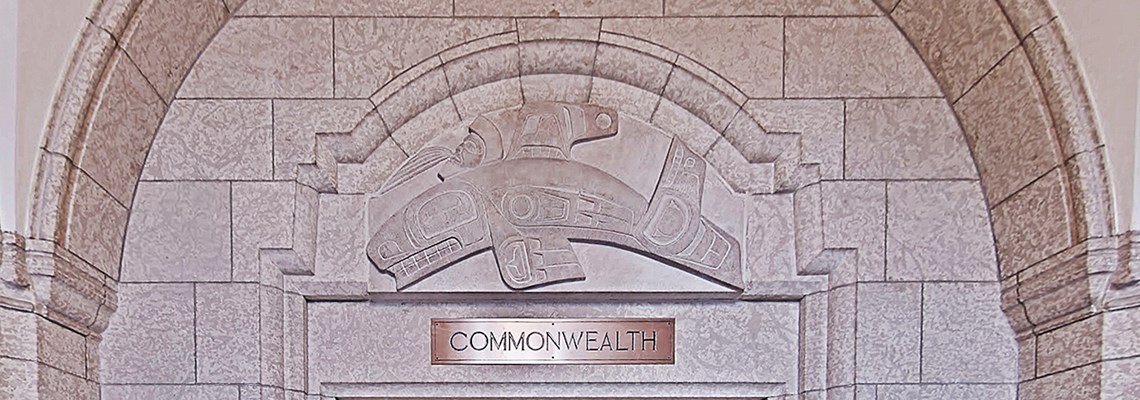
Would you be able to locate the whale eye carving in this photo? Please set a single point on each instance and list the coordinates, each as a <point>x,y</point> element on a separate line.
<point>511,187</point>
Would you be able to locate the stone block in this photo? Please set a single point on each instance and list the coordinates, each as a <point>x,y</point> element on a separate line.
<point>818,123</point>
<point>905,139</point>
<point>779,7</point>
<point>961,41</point>
<point>965,335</point>
<point>556,87</point>
<point>854,216</point>
<point>888,332</point>
<point>701,98</point>
<point>1033,224</point>
<point>213,140</point>
<point>120,131</point>
<point>1075,384</point>
<point>841,322</point>
<point>830,57</point>
<point>1007,125</point>
<point>61,348</point>
<point>179,231</point>
<point>179,392</point>
<point>938,231</point>
<point>226,332</point>
<point>296,124</point>
<point>370,52</point>
<point>150,339</point>
<point>165,37</point>
<point>234,64</point>
<point>557,8</point>
<point>1070,346</point>
<point>353,8</point>
<point>97,224</point>
<point>745,51</point>
<point>263,217</point>
<point>559,29</point>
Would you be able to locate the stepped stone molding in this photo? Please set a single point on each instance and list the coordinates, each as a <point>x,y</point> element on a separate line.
<point>130,45</point>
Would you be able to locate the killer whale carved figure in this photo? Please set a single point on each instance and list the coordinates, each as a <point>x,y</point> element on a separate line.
<point>512,186</point>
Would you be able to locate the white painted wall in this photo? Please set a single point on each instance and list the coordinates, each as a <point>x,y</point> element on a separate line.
<point>47,32</point>
<point>1106,36</point>
<point>8,29</point>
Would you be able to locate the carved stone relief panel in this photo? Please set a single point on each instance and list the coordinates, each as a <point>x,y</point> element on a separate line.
<point>528,183</point>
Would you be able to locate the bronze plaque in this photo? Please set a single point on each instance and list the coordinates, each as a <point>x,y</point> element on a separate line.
<point>552,341</point>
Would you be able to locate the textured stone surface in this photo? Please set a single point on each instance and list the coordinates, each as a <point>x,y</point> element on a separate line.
<point>745,51</point>
<point>841,336</point>
<point>557,8</point>
<point>852,57</point>
<point>263,217</point>
<point>778,7</point>
<point>960,40</point>
<point>179,392</point>
<point>364,342</point>
<point>297,122</point>
<point>938,231</point>
<point>165,37</point>
<point>61,348</point>
<point>965,335</point>
<point>233,65</point>
<point>905,139</point>
<point>179,231</point>
<point>225,333</point>
<point>372,8</point>
<point>1077,384</point>
<point>97,237</point>
<point>1070,346</point>
<point>213,139</point>
<point>120,132</point>
<point>888,332</point>
<point>559,28</point>
<point>819,124</point>
<point>1008,126</point>
<point>1032,225</point>
<point>947,392</point>
<point>854,216</point>
<point>371,51</point>
<point>151,336</point>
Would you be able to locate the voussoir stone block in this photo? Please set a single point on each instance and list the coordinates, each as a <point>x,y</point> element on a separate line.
<point>213,140</point>
<point>965,335</point>
<point>234,64</point>
<point>1007,124</point>
<point>150,338</point>
<point>166,36</point>
<point>98,222</point>
<point>1032,224</point>
<point>905,139</point>
<point>852,57</point>
<point>745,51</point>
<point>179,231</point>
<point>226,332</point>
<point>121,130</point>
<point>938,231</point>
<point>372,51</point>
<point>960,40</point>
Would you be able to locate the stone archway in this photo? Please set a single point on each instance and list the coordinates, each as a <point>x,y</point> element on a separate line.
<point>1050,206</point>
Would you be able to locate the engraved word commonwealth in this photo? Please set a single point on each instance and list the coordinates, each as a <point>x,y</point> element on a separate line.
<point>552,341</point>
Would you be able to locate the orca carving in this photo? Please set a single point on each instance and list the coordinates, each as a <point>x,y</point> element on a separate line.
<point>512,187</point>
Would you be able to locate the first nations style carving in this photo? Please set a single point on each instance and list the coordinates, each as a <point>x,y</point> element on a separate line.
<point>511,186</point>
